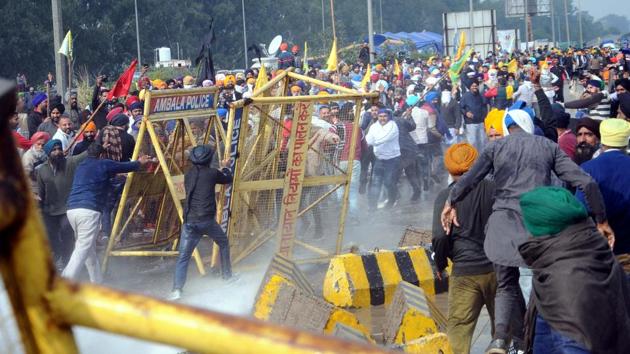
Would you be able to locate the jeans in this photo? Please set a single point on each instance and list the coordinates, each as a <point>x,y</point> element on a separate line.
<point>475,134</point>
<point>466,296</point>
<point>367,159</point>
<point>191,234</point>
<point>116,185</point>
<point>353,207</point>
<point>549,341</point>
<point>509,313</point>
<point>85,223</point>
<point>60,236</point>
<point>385,174</point>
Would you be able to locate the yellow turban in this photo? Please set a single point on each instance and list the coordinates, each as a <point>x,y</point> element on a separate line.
<point>189,80</point>
<point>459,158</point>
<point>494,119</point>
<point>615,132</point>
<point>159,84</point>
<point>296,89</point>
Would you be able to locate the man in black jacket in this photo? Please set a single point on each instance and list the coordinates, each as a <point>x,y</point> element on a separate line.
<point>200,213</point>
<point>473,282</point>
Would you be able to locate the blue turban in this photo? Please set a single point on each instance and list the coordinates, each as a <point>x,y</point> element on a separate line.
<point>39,98</point>
<point>50,145</point>
<point>412,100</point>
<point>135,105</point>
<point>222,112</point>
<point>430,96</point>
<point>386,111</point>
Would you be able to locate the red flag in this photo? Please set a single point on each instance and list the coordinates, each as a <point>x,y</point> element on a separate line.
<point>123,84</point>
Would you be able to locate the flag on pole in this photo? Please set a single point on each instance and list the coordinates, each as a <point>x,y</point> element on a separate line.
<point>366,78</point>
<point>458,65</point>
<point>66,45</point>
<point>331,63</point>
<point>121,88</point>
<point>512,66</point>
<point>461,45</point>
<point>261,80</point>
<point>305,64</point>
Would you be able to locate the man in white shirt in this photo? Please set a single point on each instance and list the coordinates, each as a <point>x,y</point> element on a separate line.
<point>383,136</point>
<point>64,133</point>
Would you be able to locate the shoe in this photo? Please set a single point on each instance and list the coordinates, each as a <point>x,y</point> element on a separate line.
<point>362,189</point>
<point>175,295</point>
<point>415,196</point>
<point>497,346</point>
<point>232,279</point>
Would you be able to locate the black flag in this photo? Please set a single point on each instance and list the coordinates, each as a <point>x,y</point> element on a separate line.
<point>204,58</point>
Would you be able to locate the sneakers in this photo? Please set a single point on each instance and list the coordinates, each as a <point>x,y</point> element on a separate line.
<point>497,346</point>
<point>175,295</point>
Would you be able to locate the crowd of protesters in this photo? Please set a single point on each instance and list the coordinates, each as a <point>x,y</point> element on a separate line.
<point>523,182</point>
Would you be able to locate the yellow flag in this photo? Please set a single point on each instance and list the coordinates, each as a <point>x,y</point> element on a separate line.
<point>461,45</point>
<point>261,80</point>
<point>331,63</point>
<point>366,78</point>
<point>512,66</point>
<point>305,60</point>
<point>66,45</point>
<point>396,67</point>
<point>430,60</point>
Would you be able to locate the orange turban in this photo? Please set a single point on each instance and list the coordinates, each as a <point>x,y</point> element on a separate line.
<point>296,89</point>
<point>159,84</point>
<point>494,119</point>
<point>90,127</point>
<point>459,158</point>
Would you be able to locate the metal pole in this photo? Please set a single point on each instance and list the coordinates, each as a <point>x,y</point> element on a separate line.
<point>332,16</point>
<point>370,30</point>
<point>470,19</point>
<point>380,4</point>
<point>244,35</point>
<point>580,23</point>
<point>525,15</point>
<point>323,19</point>
<point>553,24</point>
<point>135,3</point>
<point>60,71</point>
<point>566,19</point>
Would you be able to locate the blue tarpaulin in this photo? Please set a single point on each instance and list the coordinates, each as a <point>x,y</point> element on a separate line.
<point>419,39</point>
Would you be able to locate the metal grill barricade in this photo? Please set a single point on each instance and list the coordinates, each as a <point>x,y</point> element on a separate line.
<point>292,175</point>
<point>150,213</point>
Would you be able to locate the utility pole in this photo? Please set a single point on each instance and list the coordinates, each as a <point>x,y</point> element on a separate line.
<point>244,35</point>
<point>380,3</point>
<point>566,20</point>
<point>135,3</point>
<point>470,19</point>
<point>60,72</point>
<point>332,17</point>
<point>370,30</point>
<point>553,25</point>
<point>580,23</point>
<point>526,18</point>
<point>323,19</point>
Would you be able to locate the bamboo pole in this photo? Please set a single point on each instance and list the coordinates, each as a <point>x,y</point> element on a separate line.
<point>74,140</point>
<point>295,99</point>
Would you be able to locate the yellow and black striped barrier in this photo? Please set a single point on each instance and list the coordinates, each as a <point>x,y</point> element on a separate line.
<point>434,343</point>
<point>363,280</point>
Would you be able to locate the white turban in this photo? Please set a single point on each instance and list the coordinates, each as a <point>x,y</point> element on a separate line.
<point>521,118</point>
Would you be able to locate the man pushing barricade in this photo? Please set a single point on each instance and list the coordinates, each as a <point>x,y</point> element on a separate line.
<point>200,214</point>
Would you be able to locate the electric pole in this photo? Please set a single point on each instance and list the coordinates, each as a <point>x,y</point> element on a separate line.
<point>60,73</point>
<point>553,24</point>
<point>566,20</point>
<point>370,31</point>
<point>135,3</point>
<point>580,23</point>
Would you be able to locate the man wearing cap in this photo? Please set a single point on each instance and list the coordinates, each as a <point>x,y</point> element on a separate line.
<point>89,134</point>
<point>200,213</point>
<point>36,117</point>
<point>611,171</point>
<point>581,301</point>
<point>383,136</point>
<point>54,181</point>
<point>472,283</point>
<point>474,109</point>
<point>89,189</point>
<point>587,139</point>
<point>516,170</point>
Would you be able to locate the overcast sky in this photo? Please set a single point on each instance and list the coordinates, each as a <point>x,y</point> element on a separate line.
<point>601,8</point>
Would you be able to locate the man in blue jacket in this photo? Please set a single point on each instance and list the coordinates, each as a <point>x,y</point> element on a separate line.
<point>89,190</point>
<point>611,171</point>
<point>474,108</point>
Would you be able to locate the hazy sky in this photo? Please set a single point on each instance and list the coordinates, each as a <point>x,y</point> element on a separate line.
<point>601,8</point>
